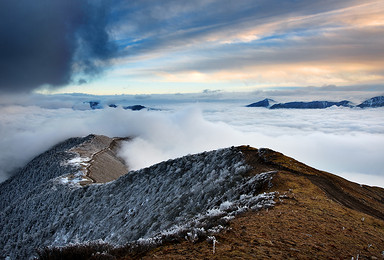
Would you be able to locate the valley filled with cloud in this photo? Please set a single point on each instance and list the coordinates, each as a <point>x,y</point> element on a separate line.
<point>345,141</point>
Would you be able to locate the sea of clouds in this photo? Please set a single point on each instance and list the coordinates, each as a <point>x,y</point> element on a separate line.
<point>345,141</point>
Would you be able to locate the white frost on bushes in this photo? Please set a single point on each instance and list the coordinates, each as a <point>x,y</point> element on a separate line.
<point>81,164</point>
<point>79,161</point>
<point>75,179</point>
<point>191,196</point>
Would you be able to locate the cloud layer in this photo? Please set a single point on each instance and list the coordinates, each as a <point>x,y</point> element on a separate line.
<point>344,141</point>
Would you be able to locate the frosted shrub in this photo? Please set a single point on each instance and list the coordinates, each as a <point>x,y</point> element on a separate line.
<point>186,197</point>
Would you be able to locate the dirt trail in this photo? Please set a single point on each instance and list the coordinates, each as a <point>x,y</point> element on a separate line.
<point>104,164</point>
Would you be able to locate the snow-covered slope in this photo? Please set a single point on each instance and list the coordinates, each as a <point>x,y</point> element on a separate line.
<point>373,102</point>
<point>269,103</point>
<point>44,167</point>
<point>180,193</point>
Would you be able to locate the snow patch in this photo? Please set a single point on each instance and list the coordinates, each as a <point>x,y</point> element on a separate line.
<point>81,164</point>
<point>79,161</point>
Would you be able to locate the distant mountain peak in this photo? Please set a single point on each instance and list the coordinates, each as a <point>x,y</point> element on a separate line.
<point>373,102</point>
<point>269,103</point>
<point>262,103</point>
<point>312,104</point>
<point>135,107</point>
<point>94,104</point>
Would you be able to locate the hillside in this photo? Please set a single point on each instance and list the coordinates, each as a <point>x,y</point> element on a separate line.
<point>237,202</point>
<point>174,197</point>
<point>315,215</point>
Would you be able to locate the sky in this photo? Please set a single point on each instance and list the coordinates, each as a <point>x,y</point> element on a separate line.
<point>172,46</point>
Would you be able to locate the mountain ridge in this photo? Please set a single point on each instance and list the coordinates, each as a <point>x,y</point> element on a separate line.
<point>307,221</point>
<point>137,205</point>
<point>372,102</point>
<point>202,198</point>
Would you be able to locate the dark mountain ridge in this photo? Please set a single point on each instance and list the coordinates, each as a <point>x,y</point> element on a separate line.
<point>312,104</point>
<point>372,102</point>
<point>263,103</point>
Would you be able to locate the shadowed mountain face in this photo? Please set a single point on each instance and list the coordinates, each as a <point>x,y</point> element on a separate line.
<point>263,103</point>
<point>312,104</point>
<point>218,196</point>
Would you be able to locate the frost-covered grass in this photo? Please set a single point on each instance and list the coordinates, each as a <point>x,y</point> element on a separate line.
<point>191,195</point>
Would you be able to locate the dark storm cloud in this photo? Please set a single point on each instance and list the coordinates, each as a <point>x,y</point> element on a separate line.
<point>44,42</point>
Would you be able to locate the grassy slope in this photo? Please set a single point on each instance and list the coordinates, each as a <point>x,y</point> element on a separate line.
<point>318,215</point>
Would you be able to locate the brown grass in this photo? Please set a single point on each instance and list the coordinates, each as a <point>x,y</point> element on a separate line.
<point>308,221</point>
<point>305,224</point>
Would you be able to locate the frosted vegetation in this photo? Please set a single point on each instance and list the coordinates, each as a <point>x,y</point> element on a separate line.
<point>146,205</point>
<point>44,167</point>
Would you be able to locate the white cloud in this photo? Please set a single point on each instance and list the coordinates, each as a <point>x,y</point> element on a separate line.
<point>347,142</point>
